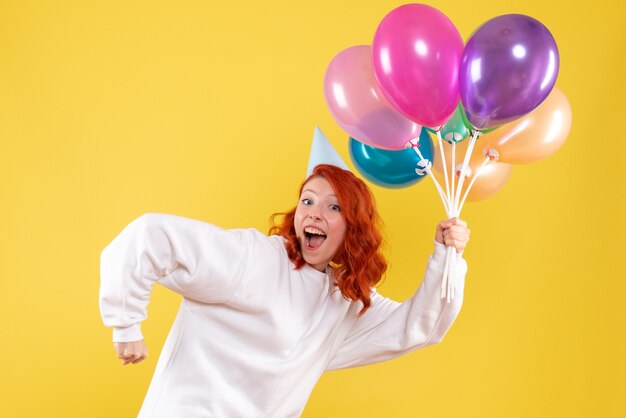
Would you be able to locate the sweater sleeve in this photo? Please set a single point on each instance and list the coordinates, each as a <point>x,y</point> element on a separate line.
<point>198,260</point>
<point>390,329</point>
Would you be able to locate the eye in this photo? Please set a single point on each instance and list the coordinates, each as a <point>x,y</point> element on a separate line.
<point>336,208</point>
<point>307,202</point>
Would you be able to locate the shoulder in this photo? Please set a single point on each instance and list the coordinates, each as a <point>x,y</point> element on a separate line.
<point>165,221</point>
<point>183,229</point>
<point>267,246</point>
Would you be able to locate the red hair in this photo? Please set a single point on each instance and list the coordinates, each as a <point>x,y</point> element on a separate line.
<point>358,264</point>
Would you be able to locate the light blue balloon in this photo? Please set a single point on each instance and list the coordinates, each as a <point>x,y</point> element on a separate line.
<point>390,169</point>
<point>454,129</point>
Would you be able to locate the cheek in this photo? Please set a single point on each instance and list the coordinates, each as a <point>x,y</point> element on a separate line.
<point>297,223</point>
<point>340,231</point>
<point>342,236</point>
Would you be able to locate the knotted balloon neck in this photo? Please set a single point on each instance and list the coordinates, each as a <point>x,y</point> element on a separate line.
<point>413,143</point>
<point>459,167</point>
<point>492,154</point>
<point>453,137</point>
<point>424,165</point>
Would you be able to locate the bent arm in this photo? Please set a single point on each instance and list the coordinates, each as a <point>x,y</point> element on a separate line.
<point>198,260</point>
<point>390,329</point>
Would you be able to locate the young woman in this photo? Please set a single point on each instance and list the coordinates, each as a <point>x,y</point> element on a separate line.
<point>263,317</point>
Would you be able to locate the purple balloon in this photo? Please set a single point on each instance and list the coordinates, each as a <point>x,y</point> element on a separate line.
<point>509,67</point>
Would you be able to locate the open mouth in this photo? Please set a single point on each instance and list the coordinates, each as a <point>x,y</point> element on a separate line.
<point>313,237</point>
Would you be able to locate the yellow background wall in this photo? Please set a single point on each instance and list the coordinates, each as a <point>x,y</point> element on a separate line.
<point>110,109</point>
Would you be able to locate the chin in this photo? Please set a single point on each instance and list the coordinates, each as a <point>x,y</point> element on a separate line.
<point>315,262</point>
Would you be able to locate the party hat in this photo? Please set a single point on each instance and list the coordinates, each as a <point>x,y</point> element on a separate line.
<point>322,152</point>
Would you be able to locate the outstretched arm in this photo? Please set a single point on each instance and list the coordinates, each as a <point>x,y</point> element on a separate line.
<point>193,258</point>
<point>390,329</point>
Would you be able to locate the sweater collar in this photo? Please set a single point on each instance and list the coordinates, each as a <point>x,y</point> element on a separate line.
<point>315,274</point>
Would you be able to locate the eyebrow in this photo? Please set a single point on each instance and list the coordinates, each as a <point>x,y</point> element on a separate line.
<point>312,191</point>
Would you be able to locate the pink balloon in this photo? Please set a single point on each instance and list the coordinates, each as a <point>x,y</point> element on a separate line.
<point>417,53</point>
<point>359,107</point>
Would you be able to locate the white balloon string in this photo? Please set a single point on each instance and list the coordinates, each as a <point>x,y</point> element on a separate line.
<point>437,185</point>
<point>447,274</point>
<point>446,199</point>
<point>468,154</point>
<point>452,175</point>
<point>444,280</point>
<point>447,284</point>
<point>453,287</point>
<point>485,162</point>
<point>445,169</point>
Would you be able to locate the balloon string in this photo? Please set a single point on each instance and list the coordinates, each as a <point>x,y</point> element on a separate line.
<point>485,162</point>
<point>444,280</point>
<point>448,281</point>
<point>452,169</point>
<point>451,274</point>
<point>445,169</point>
<point>468,154</point>
<point>437,185</point>
<point>453,287</point>
<point>447,284</point>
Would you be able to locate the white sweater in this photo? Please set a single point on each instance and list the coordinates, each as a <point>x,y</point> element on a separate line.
<point>253,335</point>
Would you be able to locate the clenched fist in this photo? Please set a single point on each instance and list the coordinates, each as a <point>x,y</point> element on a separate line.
<point>453,233</point>
<point>132,352</point>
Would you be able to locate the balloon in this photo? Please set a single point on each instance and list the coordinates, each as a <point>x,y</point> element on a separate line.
<point>390,169</point>
<point>359,107</point>
<point>455,130</point>
<point>509,67</point>
<point>416,52</point>
<point>492,176</point>
<point>535,136</point>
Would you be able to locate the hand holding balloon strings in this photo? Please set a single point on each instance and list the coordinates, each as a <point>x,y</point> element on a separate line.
<point>448,285</point>
<point>451,203</point>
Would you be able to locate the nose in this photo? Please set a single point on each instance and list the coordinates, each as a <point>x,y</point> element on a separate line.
<point>314,214</point>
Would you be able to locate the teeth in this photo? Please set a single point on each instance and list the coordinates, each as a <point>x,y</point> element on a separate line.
<point>312,230</point>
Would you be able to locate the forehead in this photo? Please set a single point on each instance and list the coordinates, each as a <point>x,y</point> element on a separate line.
<point>319,186</point>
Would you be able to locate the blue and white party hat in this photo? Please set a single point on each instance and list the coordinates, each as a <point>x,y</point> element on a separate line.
<point>322,152</point>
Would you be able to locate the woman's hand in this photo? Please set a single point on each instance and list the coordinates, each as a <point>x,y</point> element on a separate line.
<point>132,352</point>
<point>453,233</point>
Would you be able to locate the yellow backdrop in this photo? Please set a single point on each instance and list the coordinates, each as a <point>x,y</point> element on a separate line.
<point>110,109</point>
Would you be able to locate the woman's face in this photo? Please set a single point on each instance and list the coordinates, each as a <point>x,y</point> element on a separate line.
<point>320,226</point>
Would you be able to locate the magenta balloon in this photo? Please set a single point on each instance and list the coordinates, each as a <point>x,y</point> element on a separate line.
<point>417,52</point>
<point>509,67</point>
<point>358,105</point>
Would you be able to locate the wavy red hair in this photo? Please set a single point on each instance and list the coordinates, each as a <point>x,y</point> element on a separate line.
<point>358,264</point>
